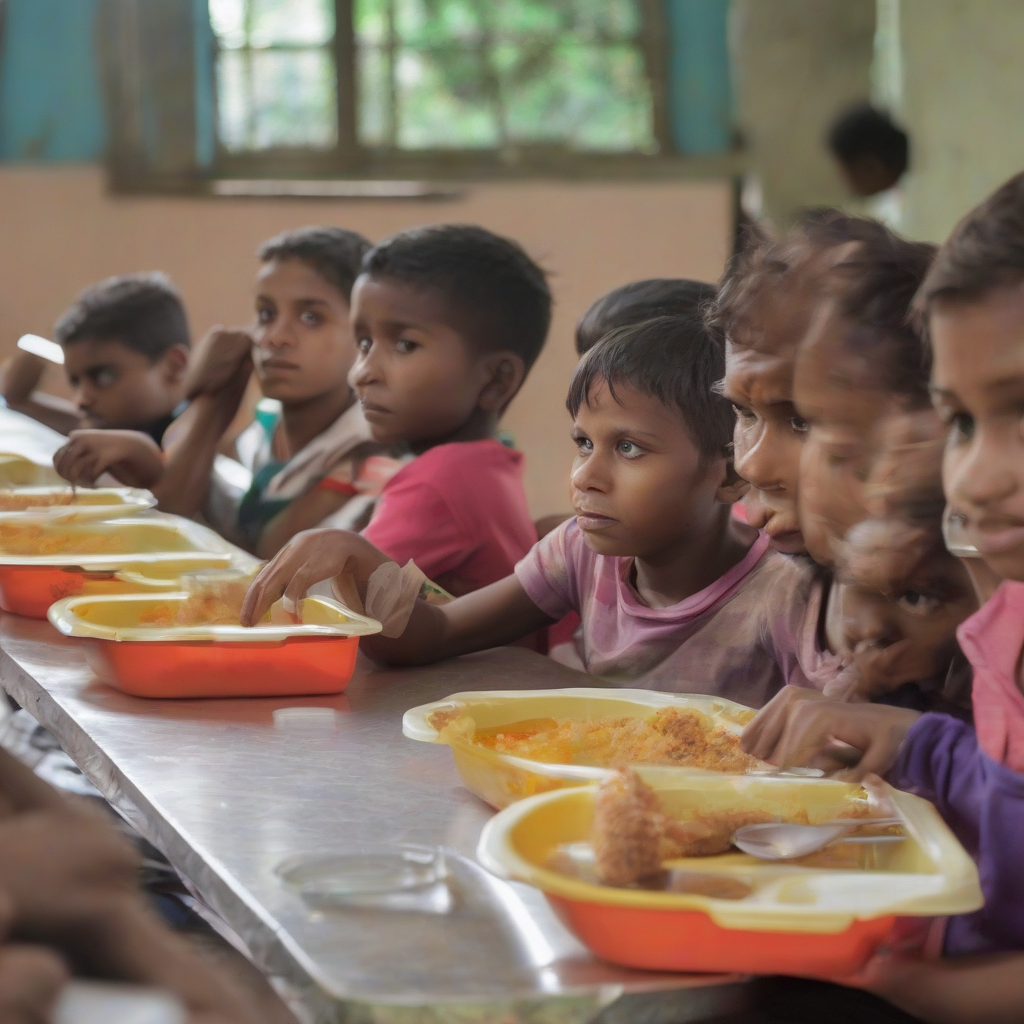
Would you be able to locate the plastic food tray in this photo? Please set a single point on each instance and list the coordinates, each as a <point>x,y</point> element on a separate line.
<point>278,657</point>
<point>87,505</point>
<point>501,778</point>
<point>19,471</point>
<point>74,562</point>
<point>801,920</point>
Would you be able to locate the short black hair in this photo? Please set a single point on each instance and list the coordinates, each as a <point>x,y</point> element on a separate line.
<point>985,251</point>
<point>863,130</point>
<point>499,294</point>
<point>141,311</point>
<point>334,253</point>
<point>874,285</point>
<point>641,300</point>
<point>674,359</point>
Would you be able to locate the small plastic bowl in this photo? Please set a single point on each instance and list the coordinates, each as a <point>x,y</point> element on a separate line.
<point>402,877</point>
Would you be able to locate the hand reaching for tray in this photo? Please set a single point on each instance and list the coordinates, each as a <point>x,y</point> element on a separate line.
<point>309,558</point>
<point>800,727</point>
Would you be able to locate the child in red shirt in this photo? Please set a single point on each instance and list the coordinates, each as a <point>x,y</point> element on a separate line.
<point>448,321</point>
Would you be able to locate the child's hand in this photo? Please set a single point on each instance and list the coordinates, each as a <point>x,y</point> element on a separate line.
<point>309,558</point>
<point>220,359</point>
<point>962,990</point>
<point>800,727</point>
<point>132,457</point>
<point>31,977</point>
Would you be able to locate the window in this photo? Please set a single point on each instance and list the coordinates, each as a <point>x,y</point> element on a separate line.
<point>206,94</point>
<point>476,78</point>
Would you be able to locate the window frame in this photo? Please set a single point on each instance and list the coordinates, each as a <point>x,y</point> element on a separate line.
<point>349,159</point>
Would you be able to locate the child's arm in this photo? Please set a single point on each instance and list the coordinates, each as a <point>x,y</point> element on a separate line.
<point>492,617</point>
<point>19,378</point>
<point>306,512</point>
<point>131,457</point>
<point>964,990</point>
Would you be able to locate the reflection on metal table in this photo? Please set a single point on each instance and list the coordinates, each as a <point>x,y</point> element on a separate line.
<point>228,789</point>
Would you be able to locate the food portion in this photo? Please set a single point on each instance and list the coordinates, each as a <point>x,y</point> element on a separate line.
<point>214,599</point>
<point>18,501</point>
<point>28,540</point>
<point>632,836</point>
<point>678,737</point>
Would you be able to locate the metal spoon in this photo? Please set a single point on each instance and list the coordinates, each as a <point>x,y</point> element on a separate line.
<point>786,841</point>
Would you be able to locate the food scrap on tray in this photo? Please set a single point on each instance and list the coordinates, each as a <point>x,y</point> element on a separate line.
<point>673,736</point>
<point>214,599</point>
<point>18,501</point>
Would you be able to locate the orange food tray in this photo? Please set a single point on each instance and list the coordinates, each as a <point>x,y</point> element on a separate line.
<point>92,558</point>
<point>817,917</point>
<point>672,940</point>
<point>302,665</point>
<point>134,643</point>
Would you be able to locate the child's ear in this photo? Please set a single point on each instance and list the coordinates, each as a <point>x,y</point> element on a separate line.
<point>175,362</point>
<point>733,486</point>
<point>505,372</point>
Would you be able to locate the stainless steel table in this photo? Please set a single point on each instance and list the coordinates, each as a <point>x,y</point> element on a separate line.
<point>227,790</point>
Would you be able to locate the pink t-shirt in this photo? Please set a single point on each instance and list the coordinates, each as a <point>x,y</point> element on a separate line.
<point>992,638</point>
<point>459,511</point>
<point>740,638</point>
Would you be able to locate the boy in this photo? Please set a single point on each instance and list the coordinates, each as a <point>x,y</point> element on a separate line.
<point>126,348</point>
<point>308,453</point>
<point>670,588</point>
<point>448,321</point>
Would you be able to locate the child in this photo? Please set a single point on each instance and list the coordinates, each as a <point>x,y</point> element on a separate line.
<point>641,300</point>
<point>448,321</point>
<point>903,593</point>
<point>671,590</point>
<point>126,348</point>
<point>974,307</point>
<point>310,455</point>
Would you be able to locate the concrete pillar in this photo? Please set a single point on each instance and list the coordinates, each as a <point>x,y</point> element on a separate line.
<point>797,64</point>
<point>960,95</point>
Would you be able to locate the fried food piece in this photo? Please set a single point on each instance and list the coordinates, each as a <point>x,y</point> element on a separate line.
<point>628,830</point>
<point>632,836</point>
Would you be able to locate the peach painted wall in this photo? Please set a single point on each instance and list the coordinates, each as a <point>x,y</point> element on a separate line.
<point>61,231</point>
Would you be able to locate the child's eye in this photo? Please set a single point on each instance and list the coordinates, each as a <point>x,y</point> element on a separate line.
<point>742,411</point>
<point>917,602</point>
<point>584,444</point>
<point>364,345</point>
<point>406,346</point>
<point>310,319</point>
<point>962,427</point>
<point>629,449</point>
<point>798,425</point>
<point>264,315</point>
<point>104,377</point>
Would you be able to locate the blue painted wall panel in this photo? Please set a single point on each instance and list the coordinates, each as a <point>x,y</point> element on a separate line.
<point>700,88</point>
<point>50,102</point>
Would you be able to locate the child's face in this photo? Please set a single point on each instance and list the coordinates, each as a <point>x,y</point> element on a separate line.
<point>905,630</point>
<point>978,388</point>
<point>638,482</point>
<point>418,379</point>
<point>769,433</point>
<point>303,344</point>
<point>116,387</point>
<point>843,415</point>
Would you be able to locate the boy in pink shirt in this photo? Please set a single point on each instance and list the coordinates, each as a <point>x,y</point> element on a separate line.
<point>448,321</point>
<point>672,591</point>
